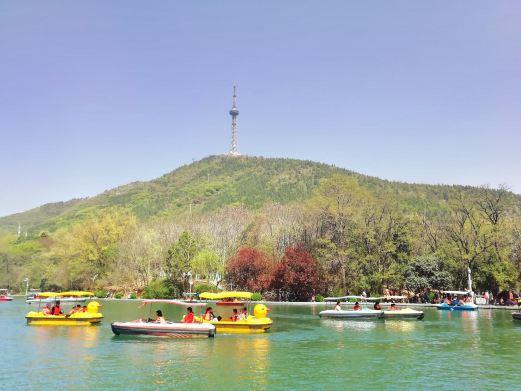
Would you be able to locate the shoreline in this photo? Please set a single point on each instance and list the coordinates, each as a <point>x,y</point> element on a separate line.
<point>324,303</point>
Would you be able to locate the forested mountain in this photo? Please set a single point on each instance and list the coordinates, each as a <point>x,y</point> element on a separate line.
<point>364,231</point>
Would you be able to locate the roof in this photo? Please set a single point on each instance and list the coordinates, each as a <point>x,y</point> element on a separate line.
<point>225,295</point>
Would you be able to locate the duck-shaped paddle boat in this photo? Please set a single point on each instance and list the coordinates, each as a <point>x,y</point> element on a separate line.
<point>90,317</point>
<point>251,324</point>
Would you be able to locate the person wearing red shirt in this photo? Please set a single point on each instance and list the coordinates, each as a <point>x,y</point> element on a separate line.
<point>189,317</point>
<point>56,309</point>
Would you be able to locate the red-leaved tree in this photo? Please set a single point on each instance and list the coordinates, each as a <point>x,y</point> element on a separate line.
<point>249,269</point>
<point>297,276</point>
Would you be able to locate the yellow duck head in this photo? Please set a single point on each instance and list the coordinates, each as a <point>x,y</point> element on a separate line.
<point>260,311</point>
<point>93,307</point>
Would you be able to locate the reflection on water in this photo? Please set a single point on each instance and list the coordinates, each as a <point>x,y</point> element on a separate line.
<point>402,325</point>
<point>341,325</point>
<point>483,344</point>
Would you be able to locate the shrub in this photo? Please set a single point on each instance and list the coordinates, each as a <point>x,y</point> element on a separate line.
<point>256,296</point>
<point>100,293</point>
<point>319,298</point>
<point>157,289</point>
<point>200,288</point>
<point>118,296</point>
<point>133,296</point>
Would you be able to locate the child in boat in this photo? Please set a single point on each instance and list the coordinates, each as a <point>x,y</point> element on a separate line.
<point>160,318</point>
<point>208,314</point>
<point>337,306</point>
<point>46,310</point>
<point>393,307</point>
<point>189,317</point>
<point>377,306</point>
<point>357,307</point>
<point>235,315</point>
<point>243,315</point>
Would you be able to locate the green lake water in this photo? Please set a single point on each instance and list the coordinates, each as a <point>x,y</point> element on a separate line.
<point>446,350</point>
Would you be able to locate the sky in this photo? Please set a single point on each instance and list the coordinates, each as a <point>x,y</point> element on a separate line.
<point>98,94</point>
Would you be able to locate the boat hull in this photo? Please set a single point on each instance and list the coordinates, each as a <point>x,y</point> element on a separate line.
<point>250,326</point>
<point>6,298</point>
<point>465,307</point>
<point>516,315</point>
<point>231,303</point>
<point>406,313</point>
<point>169,329</point>
<point>83,319</point>
<point>351,314</point>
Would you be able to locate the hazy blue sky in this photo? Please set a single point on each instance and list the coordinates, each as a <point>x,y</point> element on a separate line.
<point>96,94</point>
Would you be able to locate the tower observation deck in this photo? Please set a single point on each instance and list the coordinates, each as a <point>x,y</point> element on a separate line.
<point>234,112</point>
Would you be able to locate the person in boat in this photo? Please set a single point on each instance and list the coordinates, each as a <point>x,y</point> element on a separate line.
<point>377,306</point>
<point>218,319</point>
<point>56,309</point>
<point>208,314</point>
<point>337,306</point>
<point>243,315</point>
<point>74,310</point>
<point>189,317</point>
<point>46,310</point>
<point>393,307</point>
<point>84,309</point>
<point>159,317</point>
<point>235,315</point>
<point>357,307</point>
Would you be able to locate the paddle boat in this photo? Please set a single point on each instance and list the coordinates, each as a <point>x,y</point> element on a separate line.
<point>253,324</point>
<point>363,313</point>
<point>71,297</point>
<point>516,315</point>
<point>168,329</point>
<point>458,305</point>
<point>405,313</point>
<point>4,295</point>
<point>91,317</point>
<point>231,299</point>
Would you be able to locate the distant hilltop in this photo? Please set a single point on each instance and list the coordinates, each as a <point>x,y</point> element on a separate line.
<point>218,181</point>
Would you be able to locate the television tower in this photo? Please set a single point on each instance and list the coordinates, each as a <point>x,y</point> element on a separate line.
<point>234,112</point>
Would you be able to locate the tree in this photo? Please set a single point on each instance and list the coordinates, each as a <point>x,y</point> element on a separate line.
<point>88,249</point>
<point>206,263</point>
<point>426,272</point>
<point>296,276</point>
<point>180,255</point>
<point>140,256</point>
<point>250,270</point>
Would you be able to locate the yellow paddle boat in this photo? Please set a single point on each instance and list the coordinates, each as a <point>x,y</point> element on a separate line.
<point>92,316</point>
<point>76,297</point>
<point>252,324</point>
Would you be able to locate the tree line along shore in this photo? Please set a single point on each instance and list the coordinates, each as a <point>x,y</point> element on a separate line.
<point>342,238</point>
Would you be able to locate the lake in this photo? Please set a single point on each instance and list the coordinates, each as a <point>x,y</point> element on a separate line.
<point>445,350</point>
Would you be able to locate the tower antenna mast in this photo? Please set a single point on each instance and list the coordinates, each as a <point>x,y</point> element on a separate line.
<point>234,112</point>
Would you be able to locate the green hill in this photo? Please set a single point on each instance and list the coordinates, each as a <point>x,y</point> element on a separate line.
<point>217,181</point>
<point>364,233</point>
